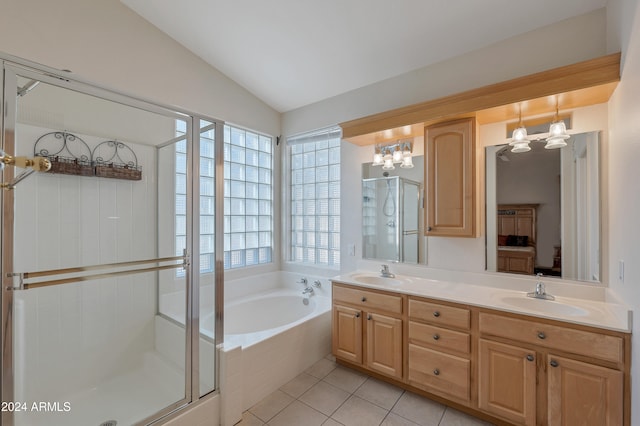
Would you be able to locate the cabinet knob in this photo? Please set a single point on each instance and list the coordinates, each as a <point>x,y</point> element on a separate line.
<point>542,336</point>
<point>436,314</point>
<point>428,228</point>
<point>358,315</point>
<point>436,336</point>
<point>436,372</point>
<point>554,363</point>
<point>530,358</point>
<point>364,299</point>
<point>369,317</point>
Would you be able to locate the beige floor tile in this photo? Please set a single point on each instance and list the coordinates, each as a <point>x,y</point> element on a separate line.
<point>358,412</point>
<point>395,420</point>
<point>298,414</point>
<point>249,419</point>
<point>330,357</point>
<point>321,368</point>
<point>324,397</point>
<point>271,405</point>
<point>380,393</point>
<point>419,410</point>
<point>345,378</point>
<point>457,418</point>
<point>299,385</point>
<point>331,422</point>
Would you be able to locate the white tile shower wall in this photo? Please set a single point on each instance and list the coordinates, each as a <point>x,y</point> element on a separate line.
<point>75,335</point>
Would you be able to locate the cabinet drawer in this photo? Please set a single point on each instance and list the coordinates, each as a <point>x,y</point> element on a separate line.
<point>439,314</point>
<point>596,345</point>
<point>439,372</point>
<point>368,299</point>
<point>438,337</point>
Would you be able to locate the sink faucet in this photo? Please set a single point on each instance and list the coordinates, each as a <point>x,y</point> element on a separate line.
<point>540,292</point>
<point>384,272</point>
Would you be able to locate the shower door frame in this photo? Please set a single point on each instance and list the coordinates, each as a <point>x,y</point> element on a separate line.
<point>10,68</point>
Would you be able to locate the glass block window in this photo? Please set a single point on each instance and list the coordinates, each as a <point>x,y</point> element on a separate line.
<point>314,160</point>
<point>248,198</point>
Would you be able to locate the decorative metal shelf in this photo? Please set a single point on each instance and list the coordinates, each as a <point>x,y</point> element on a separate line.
<point>71,155</point>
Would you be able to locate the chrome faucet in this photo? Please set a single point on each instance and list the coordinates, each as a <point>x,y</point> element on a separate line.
<point>308,290</point>
<point>540,292</point>
<point>384,272</point>
<point>303,280</point>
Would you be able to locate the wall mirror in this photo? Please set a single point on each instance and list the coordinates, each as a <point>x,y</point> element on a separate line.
<point>392,213</point>
<point>543,209</point>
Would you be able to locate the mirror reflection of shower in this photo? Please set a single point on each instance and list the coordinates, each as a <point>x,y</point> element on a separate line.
<point>391,219</point>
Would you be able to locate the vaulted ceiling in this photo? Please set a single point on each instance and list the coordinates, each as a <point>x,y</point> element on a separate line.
<point>291,53</point>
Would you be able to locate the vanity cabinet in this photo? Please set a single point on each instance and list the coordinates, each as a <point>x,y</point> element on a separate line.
<point>367,329</point>
<point>439,349</point>
<point>504,367</point>
<point>450,179</point>
<point>578,375</point>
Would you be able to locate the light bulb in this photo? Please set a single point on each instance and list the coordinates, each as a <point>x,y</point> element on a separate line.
<point>519,136</point>
<point>397,155</point>
<point>377,159</point>
<point>407,162</point>
<point>521,147</point>
<point>388,164</point>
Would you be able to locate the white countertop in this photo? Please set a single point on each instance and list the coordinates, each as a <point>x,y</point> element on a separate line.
<point>573,310</point>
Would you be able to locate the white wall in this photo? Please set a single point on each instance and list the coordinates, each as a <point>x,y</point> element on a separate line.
<point>624,157</point>
<point>573,40</point>
<point>107,43</point>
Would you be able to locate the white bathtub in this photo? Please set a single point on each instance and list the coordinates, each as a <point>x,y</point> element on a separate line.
<point>270,336</point>
<point>253,319</point>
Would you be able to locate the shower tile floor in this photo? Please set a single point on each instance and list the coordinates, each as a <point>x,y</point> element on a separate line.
<point>329,394</point>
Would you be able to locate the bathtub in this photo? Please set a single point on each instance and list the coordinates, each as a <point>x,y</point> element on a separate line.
<point>270,335</point>
<point>251,320</point>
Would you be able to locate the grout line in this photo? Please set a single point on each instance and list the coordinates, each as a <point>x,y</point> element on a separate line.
<point>442,417</point>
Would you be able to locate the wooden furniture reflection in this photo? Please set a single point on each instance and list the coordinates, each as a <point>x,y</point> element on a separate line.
<point>517,220</point>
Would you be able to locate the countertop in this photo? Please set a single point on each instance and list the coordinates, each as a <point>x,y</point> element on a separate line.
<point>593,313</point>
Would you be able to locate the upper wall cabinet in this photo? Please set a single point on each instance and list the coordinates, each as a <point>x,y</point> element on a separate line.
<point>450,179</point>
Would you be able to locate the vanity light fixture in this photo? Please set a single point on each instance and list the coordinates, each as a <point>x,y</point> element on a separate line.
<point>388,155</point>
<point>519,140</point>
<point>557,133</point>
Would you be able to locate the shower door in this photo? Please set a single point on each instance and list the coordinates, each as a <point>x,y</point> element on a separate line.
<point>87,249</point>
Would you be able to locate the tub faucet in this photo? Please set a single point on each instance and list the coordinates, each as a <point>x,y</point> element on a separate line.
<point>384,272</point>
<point>308,290</point>
<point>303,280</point>
<point>540,292</point>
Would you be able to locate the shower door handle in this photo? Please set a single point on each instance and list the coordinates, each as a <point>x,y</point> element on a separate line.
<point>66,271</point>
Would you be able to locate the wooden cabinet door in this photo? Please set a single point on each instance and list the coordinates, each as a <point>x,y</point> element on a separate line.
<point>347,334</point>
<point>384,344</point>
<point>583,394</point>
<point>449,179</point>
<point>507,382</point>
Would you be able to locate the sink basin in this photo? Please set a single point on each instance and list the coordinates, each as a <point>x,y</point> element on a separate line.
<point>544,306</point>
<point>375,279</point>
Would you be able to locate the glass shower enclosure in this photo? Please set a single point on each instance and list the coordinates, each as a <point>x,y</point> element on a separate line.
<point>103,285</point>
<point>390,215</point>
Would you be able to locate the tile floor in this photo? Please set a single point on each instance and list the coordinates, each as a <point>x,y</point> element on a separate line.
<point>328,394</point>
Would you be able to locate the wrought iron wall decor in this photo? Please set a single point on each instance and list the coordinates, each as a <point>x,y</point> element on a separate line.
<point>113,159</point>
<point>71,155</point>
<point>68,154</point>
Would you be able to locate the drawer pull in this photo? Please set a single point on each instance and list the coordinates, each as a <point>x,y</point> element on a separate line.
<point>436,372</point>
<point>364,299</point>
<point>554,363</point>
<point>358,315</point>
<point>530,358</point>
<point>542,336</point>
<point>436,314</point>
<point>436,336</point>
<point>369,317</point>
